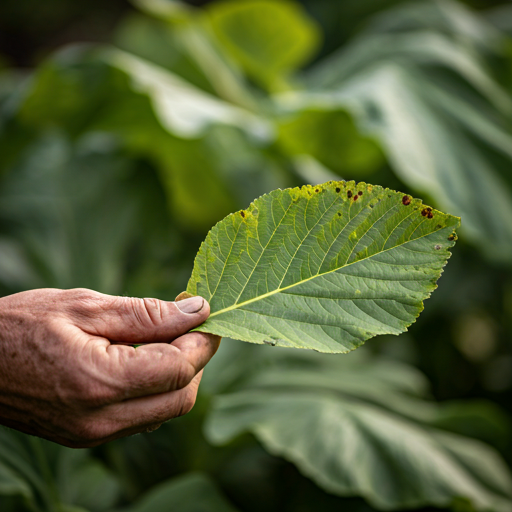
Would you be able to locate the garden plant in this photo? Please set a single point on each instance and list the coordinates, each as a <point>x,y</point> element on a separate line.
<point>309,168</point>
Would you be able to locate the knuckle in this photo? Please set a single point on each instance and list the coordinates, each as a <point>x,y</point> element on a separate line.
<point>153,311</point>
<point>145,313</point>
<point>78,294</point>
<point>83,301</point>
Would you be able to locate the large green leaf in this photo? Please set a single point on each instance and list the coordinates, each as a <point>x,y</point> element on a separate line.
<point>341,422</point>
<point>182,108</point>
<point>323,267</point>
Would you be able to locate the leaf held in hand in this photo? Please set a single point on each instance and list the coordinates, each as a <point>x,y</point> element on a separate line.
<point>322,267</point>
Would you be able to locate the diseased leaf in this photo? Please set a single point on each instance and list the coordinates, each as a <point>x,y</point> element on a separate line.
<point>323,267</point>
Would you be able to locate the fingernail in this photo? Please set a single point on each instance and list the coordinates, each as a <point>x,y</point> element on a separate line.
<point>192,305</point>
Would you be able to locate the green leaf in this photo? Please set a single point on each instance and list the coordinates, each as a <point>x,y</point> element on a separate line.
<point>12,484</point>
<point>333,139</point>
<point>268,39</point>
<point>189,493</point>
<point>336,420</point>
<point>181,108</point>
<point>323,267</point>
<point>85,482</point>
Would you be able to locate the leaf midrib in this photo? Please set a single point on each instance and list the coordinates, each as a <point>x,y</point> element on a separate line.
<point>279,290</point>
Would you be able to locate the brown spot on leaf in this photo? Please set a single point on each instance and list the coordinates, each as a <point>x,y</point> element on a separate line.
<point>437,247</point>
<point>316,190</point>
<point>356,197</point>
<point>406,200</point>
<point>451,238</point>
<point>338,190</point>
<point>339,214</point>
<point>242,214</point>
<point>430,215</point>
<point>424,212</point>
<point>439,226</point>
<point>359,193</point>
<point>349,194</point>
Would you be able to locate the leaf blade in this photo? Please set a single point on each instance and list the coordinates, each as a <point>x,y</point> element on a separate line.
<point>322,267</point>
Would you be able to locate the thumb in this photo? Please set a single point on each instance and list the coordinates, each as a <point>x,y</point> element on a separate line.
<point>132,320</point>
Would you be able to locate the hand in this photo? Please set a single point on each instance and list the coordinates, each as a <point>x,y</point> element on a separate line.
<point>68,375</point>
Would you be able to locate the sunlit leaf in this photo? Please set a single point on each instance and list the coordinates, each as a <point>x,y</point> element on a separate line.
<point>182,108</point>
<point>333,139</point>
<point>267,38</point>
<point>323,267</point>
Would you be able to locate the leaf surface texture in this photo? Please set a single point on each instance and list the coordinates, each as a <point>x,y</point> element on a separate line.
<point>322,267</point>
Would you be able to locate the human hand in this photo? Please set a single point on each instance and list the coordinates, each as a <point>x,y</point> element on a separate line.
<point>68,375</point>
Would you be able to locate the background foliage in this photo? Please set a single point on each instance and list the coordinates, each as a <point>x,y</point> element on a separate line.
<point>117,157</point>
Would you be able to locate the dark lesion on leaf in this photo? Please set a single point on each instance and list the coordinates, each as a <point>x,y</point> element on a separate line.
<point>338,190</point>
<point>406,200</point>
<point>349,194</point>
<point>452,237</point>
<point>242,213</point>
<point>360,193</point>
<point>427,212</point>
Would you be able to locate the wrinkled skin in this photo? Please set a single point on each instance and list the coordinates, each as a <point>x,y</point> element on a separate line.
<point>68,374</point>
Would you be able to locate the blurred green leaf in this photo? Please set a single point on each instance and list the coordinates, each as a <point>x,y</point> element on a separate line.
<point>12,484</point>
<point>335,420</point>
<point>201,49</point>
<point>192,492</point>
<point>332,138</point>
<point>173,11</point>
<point>269,39</point>
<point>85,482</point>
<point>51,477</point>
<point>55,202</point>
<point>323,267</point>
<point>181,108</point>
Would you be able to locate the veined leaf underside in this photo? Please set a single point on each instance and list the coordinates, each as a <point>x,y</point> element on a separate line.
<point>323,267</point>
